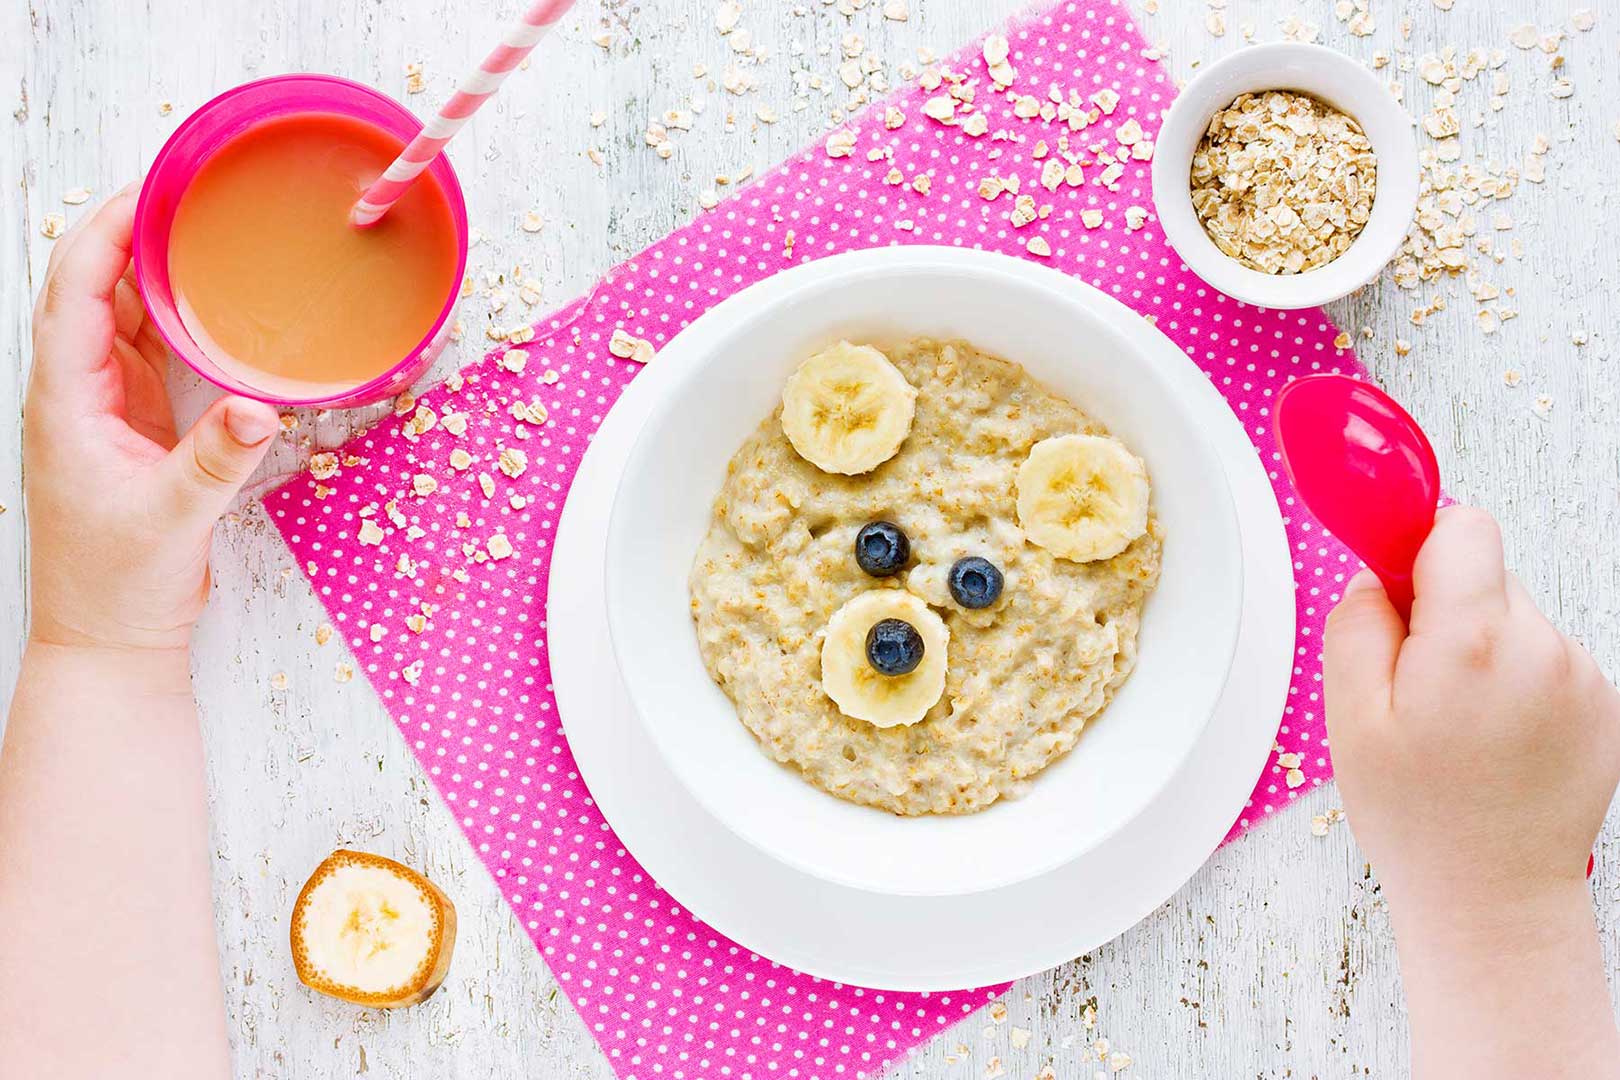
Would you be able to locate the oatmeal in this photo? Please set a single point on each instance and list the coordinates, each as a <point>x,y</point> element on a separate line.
<point>927,629</point>
<point>1282,182</point>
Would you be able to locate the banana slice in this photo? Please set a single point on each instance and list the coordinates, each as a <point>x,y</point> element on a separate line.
<point>372,932</point>
<point>858,690</point>
<point>1082,497</point>
<point>847,409</point>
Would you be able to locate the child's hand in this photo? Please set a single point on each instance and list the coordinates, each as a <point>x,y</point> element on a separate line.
<point>120,511</point>
<point>1477,755</point>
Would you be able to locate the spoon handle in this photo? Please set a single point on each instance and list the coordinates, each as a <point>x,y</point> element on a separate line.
<point>1399,590</point>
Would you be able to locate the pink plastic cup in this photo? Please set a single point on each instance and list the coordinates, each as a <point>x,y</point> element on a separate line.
<point>204,132</point>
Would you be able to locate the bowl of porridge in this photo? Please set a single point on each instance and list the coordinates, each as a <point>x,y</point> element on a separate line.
<point>1286,175</point>
<point>923,579</point>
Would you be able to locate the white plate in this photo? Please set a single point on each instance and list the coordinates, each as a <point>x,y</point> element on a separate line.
<point>892,942</point>
<point>1084,346</point>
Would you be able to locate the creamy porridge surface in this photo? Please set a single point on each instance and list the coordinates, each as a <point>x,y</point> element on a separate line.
<point>1024,674</point>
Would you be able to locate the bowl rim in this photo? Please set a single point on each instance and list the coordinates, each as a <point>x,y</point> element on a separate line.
<point>1145,339</point>
<point>1340,81</point>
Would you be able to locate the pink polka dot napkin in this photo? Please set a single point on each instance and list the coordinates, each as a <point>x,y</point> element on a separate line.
<point>429,538</point>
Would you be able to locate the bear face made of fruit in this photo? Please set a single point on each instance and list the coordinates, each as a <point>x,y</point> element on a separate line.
<point>885,652</point>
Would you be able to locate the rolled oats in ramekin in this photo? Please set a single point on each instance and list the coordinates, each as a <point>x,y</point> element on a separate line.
<point>1283,182</point>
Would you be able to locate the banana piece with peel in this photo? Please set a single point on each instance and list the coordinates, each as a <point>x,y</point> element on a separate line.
<point>860,691</point>
<point>371,931</point>
<point>847,409</point>
<point>1082,497</point>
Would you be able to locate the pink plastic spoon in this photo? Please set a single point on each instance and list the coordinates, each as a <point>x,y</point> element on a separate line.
<point>1364,469</point>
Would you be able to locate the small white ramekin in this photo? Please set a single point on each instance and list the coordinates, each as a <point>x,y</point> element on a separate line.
<point>1347,86</point>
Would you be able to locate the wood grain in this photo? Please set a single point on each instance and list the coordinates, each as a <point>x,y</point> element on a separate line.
<point>1275,961</point>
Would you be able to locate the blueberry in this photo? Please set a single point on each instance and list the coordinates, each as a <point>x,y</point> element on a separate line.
<point>975,582</point>
<point>882,549</point>
<point>893,647</point>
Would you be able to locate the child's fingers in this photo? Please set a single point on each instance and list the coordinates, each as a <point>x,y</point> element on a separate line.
<point>75,321</point>
<point>129,312</point>
<point>1460,571</point>
<point>1363,640</point>
<point>209,465</point>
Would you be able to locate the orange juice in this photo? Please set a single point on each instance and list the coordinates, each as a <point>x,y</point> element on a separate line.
<point>273,282</point>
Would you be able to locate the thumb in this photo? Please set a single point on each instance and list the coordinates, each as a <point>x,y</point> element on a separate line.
<point>209,465</point>
<point>1363,640</point>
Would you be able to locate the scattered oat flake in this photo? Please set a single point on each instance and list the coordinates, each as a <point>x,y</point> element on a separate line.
<point>377,632</point>
<point>1118,1061</point>
<point>77,196</point>
<point>1038,246</point>
<point>628,347</point>
<point>1091,218</point>
<point>532,222</point>
<point>371,534</point>
<point>513,461</point>
<point>993,1069</point>
<point>1294,778</point>
<point>323,633</point>
<point>165,108</point>
<point>998,1012</point>
<point>344,671</point>
<point>278,681</point>
<point>499,547</point>
<point>1543,405</point>
<point>1583,19</point>
<point>1135,217</point>
<point>52,225</point>
<point>323,466</point>
<point>415,82</point>
<point>1018,1037</point>
<point>941,107</point>
<point>841,143</point>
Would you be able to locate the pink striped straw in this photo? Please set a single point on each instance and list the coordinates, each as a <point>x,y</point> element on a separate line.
<point>481,85</point>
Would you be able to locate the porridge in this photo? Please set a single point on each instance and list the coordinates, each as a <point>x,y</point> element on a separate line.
<point>923,576</point>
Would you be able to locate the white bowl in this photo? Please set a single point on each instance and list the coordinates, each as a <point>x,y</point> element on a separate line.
<point>1347,86</point>
<point>1085,347</point>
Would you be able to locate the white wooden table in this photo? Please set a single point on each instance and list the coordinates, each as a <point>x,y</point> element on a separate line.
<point>1275,961</point>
